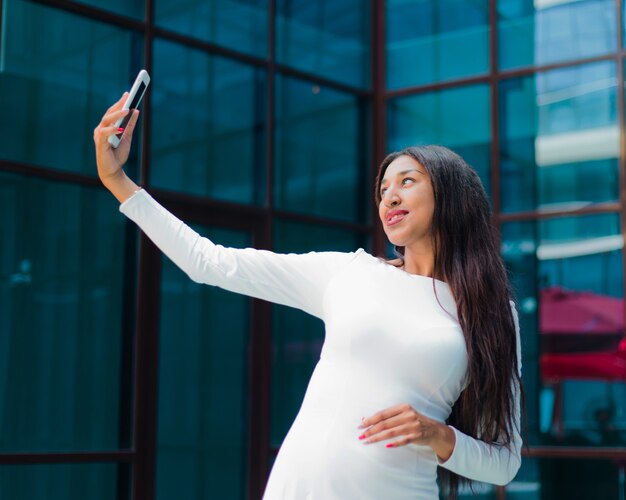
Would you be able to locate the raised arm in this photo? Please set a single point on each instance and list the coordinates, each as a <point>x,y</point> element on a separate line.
<point>490,462</point>
<point>289,279</point>
<point>296,280</point>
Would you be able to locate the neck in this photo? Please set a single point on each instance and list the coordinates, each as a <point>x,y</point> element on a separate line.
<point>420,259</point>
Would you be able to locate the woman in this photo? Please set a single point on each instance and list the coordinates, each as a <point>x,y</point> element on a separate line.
<point>410,344</point>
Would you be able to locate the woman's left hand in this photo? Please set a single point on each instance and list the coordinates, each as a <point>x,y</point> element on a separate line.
<point>410,426</point>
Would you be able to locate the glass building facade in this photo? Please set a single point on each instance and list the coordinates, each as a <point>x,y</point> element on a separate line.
<point>122,379</point>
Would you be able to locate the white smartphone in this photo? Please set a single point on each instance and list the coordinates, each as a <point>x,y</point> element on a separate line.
<point>132,102</point>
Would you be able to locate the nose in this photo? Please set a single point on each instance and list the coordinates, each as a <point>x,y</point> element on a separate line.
<point>391,198</point>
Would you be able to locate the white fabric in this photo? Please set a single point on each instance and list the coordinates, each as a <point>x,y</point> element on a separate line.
<point>389,340</point>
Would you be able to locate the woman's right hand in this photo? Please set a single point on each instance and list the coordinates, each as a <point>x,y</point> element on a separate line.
<point>110,160</point>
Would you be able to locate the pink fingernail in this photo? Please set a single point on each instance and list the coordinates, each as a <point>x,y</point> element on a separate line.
<point>389,445</point>
<point>362,436</point>
<point>120,129</point>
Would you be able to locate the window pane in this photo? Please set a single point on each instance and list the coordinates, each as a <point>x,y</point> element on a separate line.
<point>56,82</point>
<point>458,118</point>
<point>567,478</point>
<point>320,152</point>
<point>434,40</point>
<point>559,138</point>
<point>64,481</point>
<point>130,8</point>
<point>203,385</point>
<point>62,275</point>
<point>297,337</point>
<point>569,276</point>
<point>208,125</point>
<point>547,31</point>
<point>240,25</point>
<point>327,38</point>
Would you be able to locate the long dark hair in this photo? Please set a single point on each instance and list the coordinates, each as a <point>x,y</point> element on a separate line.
<point>467,257</point>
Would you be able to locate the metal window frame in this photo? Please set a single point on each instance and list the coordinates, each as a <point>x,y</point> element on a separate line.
<point>259,220</point>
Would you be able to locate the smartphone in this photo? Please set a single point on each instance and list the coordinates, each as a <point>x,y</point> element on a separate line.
<point>132,102</point>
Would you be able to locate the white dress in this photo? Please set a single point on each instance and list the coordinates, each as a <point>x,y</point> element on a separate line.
<point>389,340</point>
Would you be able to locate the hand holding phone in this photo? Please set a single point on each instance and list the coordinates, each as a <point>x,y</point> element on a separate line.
<point>132,102</point>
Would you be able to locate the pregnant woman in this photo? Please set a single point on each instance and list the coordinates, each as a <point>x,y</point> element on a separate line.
<point>420,368</point>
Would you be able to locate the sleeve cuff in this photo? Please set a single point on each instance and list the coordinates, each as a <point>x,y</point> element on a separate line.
<point>453,458</point>
<point>135,198</point>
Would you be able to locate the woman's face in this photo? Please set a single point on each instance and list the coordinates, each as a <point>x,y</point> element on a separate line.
<point>407,202</point>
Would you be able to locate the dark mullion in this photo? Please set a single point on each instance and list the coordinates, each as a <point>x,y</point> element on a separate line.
<point>500,75</point>
<point>146,370</point>
<point>321,80</point>
<point>429,87</point>
<point>607,453</point>
<point>234,210</point>
<point>148,318</point>
<point>598,208</point>
<point>208,47</point>
<point>379,116</point>
<point>321,221</point>
<point>93,13</point>
<point>82,457</point>
<point>260,329</point>
<point>127,354</point>
<point>49,174</point>
<point>622,134</point>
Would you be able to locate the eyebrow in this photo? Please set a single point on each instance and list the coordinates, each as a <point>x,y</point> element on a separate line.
<point>402,173</point>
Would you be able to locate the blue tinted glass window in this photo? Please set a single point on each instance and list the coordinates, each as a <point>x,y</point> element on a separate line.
<point>559,138</point>
<point>56,82</point>
<point>547,31</point>
<point>208,125</point>
<point>61,296</point>
<point>459,119</point>
<point>568,274</point>
<point>433,40</point>
<point>326,38</point>
<point>203,385</point>
<point>297,337</point>
<point>236,24</point>
<point>320,151</point>
<point>66,481</point>
<point>567,478</point>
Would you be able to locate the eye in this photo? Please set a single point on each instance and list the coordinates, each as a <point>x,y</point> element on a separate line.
<point>404,181</point>
<point>382,191</point>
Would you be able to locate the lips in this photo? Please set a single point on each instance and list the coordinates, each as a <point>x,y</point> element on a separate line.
<point>395,216</point>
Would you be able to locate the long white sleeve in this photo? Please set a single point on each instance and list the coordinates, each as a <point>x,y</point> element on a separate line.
<point>296,280</point>
<point>490,463</point>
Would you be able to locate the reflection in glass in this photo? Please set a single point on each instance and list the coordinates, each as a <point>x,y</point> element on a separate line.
<point>434,40</point>
<point>297,337</point>
<point>203,385</point>
<point>559,139</point>
<point>61,295</point>
<point>546,31</point>
<point>568,478</point>
<point>240,25</point>
<point>580,341</point>
<point>55,65</point>
<point>458,118</point>
<point>61,481</point>
<point>208,125</point>
<point>320,151</point>
<point>326,38</point>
